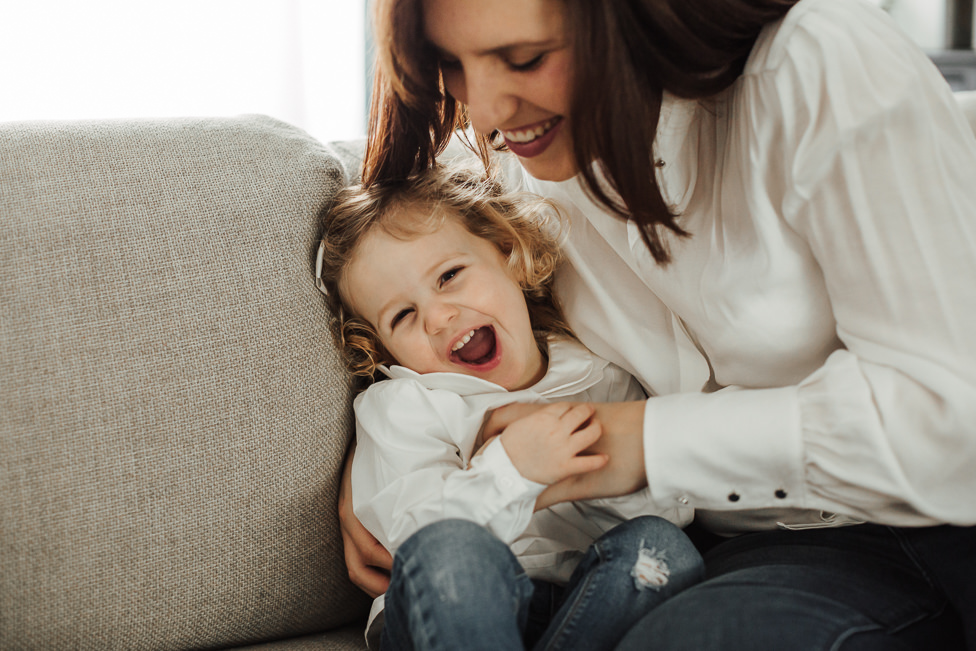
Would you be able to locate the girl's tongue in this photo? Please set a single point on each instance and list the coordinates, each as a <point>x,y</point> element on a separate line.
<point>479,349</point>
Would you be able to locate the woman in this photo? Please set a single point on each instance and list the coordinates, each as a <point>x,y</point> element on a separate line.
<point>772,227</point>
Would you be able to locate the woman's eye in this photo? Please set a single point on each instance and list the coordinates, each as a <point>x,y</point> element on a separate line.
<point>448,276</point>
<point>400,316</point>
<point>530,64</point>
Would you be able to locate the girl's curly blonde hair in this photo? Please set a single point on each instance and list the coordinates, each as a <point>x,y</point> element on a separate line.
<point>519,225</point>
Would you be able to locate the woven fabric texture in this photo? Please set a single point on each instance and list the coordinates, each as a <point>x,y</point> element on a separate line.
<point>173,415</point>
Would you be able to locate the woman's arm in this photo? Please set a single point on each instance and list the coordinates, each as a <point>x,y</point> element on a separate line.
<point>877,170</point>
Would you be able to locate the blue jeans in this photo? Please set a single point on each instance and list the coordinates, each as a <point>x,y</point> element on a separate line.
<point>862,588</point>
<point>456,586</point>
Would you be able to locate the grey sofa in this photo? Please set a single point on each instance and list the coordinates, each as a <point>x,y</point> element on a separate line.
<point>173,415</point>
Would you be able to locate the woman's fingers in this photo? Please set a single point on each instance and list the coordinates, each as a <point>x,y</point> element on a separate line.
<point>367,561</point>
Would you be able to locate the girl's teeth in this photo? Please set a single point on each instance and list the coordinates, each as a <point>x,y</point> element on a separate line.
<point>460,342</point>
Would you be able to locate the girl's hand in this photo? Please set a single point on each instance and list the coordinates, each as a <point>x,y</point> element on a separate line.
<point>623,443</point>
<point>502,417</point>
<point>367,561</point>
<point>548,445</point>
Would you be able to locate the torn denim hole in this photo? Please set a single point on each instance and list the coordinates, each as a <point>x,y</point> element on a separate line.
<point>650,570</point>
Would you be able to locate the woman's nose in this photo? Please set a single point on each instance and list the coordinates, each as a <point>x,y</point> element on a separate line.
<point>490,96</point>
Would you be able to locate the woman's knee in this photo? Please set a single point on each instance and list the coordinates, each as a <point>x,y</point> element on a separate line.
<point>771,608</point>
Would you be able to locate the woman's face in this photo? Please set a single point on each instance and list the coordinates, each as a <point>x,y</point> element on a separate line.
<point>509,61</point>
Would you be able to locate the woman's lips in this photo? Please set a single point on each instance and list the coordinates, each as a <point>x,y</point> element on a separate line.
<point>534,139</point>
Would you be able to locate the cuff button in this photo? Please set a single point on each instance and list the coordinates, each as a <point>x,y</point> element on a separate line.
<point>733,497</point>
<point>780,494</point>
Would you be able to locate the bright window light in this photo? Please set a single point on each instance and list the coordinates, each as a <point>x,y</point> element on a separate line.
<point>301,61</point>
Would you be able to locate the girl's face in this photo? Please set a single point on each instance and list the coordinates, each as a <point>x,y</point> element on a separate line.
<point>444,301</point>
<point>509,61</point>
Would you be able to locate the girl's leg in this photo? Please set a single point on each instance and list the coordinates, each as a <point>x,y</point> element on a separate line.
<point>850,589</point>
<point>626,573</point>
<point>455,586</point>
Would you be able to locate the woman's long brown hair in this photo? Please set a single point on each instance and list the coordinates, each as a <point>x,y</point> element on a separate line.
<point>691,48</point>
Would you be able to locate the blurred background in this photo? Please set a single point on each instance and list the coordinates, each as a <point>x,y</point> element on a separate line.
<point>302,61</point>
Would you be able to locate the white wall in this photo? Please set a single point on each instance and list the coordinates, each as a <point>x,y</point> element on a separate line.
<point>298,60</point>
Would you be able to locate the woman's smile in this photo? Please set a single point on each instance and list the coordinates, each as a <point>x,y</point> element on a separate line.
<point>530,141</point>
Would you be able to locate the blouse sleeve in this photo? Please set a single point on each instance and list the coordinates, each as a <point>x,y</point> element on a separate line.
<point>880,181</point>
<point>407,471</point>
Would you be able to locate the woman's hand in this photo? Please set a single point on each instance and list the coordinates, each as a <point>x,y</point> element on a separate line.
<point>367,561</point>
<point>550,444</point>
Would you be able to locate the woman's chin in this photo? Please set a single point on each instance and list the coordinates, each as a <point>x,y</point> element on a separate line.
<point>544,172</point>
<point>555,164</point>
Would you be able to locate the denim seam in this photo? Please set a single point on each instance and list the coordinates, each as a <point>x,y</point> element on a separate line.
<point>909,549</point>
<point>568,624</point>
<point>849,633</point>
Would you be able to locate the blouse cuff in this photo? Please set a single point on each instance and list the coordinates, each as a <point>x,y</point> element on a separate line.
<point>695,454</point>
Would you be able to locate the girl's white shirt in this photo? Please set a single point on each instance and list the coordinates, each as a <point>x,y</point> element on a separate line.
<point>811,346</point>
<point>415,463</point>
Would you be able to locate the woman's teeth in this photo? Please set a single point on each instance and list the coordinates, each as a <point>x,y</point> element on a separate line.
<point>530,134</point>
<point>459,344</point>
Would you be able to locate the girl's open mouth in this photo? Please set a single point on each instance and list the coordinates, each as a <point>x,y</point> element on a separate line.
<point>477,349</point>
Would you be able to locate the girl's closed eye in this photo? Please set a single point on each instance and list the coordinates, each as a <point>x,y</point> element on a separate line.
<point>399,317</point>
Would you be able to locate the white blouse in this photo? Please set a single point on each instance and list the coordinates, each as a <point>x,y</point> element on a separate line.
<point>812,346</point>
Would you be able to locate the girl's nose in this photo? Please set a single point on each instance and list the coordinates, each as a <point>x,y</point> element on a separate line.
<point>438,315</point>
<point>490,95</point>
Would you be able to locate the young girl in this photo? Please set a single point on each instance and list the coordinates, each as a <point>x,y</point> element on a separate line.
<point>443,285</point>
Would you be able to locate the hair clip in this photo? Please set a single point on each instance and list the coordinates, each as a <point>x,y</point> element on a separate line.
<point>319,283</point>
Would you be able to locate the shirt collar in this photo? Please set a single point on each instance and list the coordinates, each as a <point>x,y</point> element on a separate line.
<point>572,369</point>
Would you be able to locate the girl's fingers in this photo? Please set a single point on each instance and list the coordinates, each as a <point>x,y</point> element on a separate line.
<point>585,437</point>
<point>576,414</point>
<point>587,463</point>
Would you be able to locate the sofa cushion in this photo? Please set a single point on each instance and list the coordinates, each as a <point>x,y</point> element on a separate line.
<point>173,415</point>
